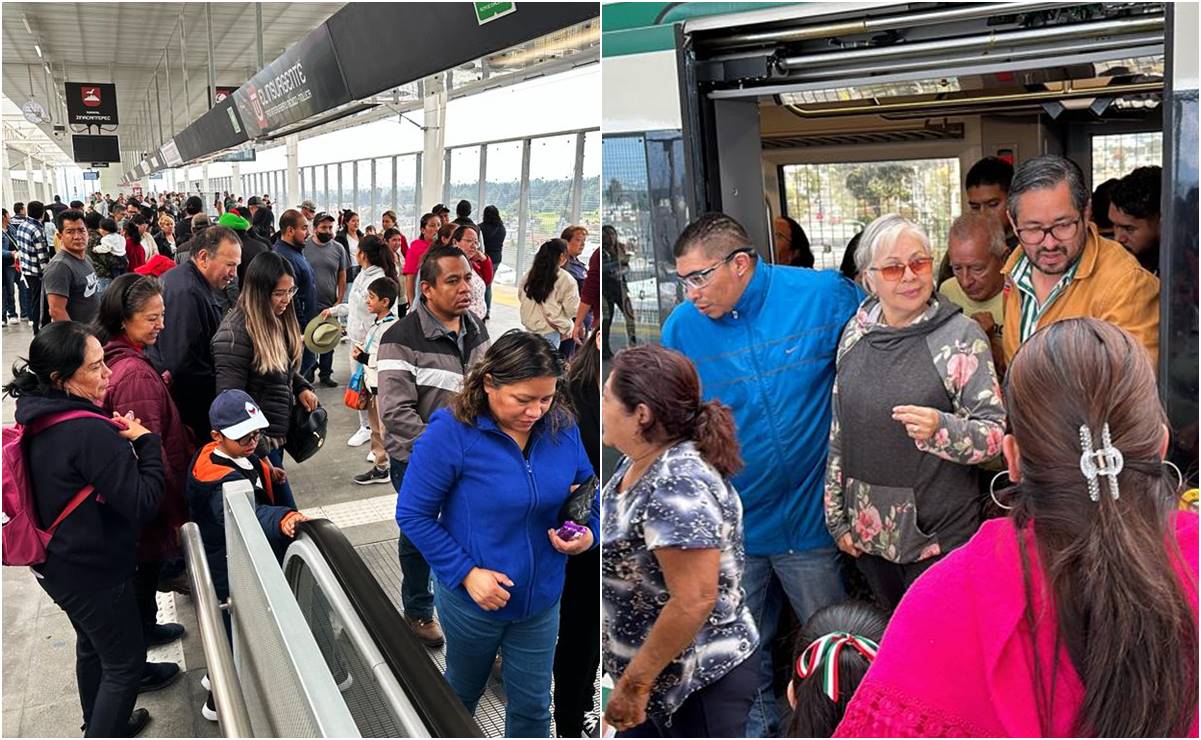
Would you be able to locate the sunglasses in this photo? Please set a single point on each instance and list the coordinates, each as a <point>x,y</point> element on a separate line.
<point>893,273</point>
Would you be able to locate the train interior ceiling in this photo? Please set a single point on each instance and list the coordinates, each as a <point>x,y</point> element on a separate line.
<point>887,111</point>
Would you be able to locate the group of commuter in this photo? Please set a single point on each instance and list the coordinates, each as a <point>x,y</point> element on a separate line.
<point>204,365</point>
<point>839,445</point>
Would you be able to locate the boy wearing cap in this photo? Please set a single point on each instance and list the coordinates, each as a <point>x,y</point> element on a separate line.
<point>236,424</point>
<point>381,296</point>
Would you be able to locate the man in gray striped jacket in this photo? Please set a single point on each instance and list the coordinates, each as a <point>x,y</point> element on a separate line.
<point>422,361</point>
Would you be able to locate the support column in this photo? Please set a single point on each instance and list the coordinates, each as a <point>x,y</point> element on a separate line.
<point>204,185</point>
<point>577,182</point>
<point>7,196</point>
<point>292,174</point>
<point>235,186</point>
<point>183,68</point>
<point>523,209</point>
<point>47,185</point>
<point>30,193</point>
<point>208,21</point>
<point>432,154</point>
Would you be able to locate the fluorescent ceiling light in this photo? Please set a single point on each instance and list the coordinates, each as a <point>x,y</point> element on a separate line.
<point>27,28</point>
<point>38,49</point>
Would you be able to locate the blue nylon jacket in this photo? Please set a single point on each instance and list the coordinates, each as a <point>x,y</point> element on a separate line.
<point>771,360</point>
<point>471,499</point>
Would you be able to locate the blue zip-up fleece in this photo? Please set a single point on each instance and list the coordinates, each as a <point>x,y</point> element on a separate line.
<point>470,499</point>
<point>771,359</point>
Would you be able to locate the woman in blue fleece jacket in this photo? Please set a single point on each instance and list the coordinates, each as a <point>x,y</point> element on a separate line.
<point>481,500</point>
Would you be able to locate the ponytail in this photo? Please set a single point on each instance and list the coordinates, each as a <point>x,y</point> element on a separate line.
<point>715,438</point>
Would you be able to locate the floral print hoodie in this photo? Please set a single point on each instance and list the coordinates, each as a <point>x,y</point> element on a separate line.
<point>901,499</point>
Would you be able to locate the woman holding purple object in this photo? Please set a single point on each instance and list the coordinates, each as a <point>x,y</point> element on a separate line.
<point>482,499</point>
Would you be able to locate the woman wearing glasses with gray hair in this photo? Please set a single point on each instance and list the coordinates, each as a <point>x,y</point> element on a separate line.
<point>916,405</point>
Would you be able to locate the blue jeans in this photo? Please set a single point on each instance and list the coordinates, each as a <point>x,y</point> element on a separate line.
<point>810,579</point>
<point>528,645</point>
<point>308,361</point>
<point>283,491</point>
<point>415,594</point>
<point>10,292</point>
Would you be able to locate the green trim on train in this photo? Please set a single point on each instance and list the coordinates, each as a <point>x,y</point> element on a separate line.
<point>638,28</point>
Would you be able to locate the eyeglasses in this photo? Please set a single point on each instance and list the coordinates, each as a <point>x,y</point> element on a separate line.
<point>279,295</point>
<point>893,273</point>
<point>700,278</point>
<point>249,438</point>
<point>1062,231</point>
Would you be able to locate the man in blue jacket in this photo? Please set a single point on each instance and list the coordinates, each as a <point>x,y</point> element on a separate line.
<point>763,339</point>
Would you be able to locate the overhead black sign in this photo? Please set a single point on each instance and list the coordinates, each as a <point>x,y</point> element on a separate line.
<point>305,80</point>
<point>360,30</point>
<point>92,103</point>
<point>95,148</point>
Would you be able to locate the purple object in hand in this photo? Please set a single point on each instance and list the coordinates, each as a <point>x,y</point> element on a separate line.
<point>570,530</point>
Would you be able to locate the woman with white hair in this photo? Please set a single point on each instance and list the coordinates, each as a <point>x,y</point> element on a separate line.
<point>916,405</point>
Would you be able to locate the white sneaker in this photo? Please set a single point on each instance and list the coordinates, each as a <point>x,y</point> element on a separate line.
<point>209,710</point>
<point>361,437</point>
<point>205,683</point>
<point>14,321</point>
<point>370,457</point>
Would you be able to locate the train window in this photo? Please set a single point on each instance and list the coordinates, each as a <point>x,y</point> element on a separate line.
<point>552,175</point>
<point>362,192</point>
<point>835,201</point>
<point>408,210</point>
<point>590,197</point>
<point>1115,155</point>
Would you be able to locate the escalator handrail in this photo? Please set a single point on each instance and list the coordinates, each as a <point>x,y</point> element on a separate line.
<point>436,703</point>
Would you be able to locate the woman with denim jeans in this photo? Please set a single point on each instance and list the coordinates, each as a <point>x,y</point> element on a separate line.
<point>481,500</point>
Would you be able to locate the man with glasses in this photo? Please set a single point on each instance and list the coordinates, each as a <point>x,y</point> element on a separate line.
<point>70,282</point>
<point>1064,268</point>
<point>763,339</point>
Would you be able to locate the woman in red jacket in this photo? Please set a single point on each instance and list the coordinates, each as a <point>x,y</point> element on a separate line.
<point>130,319</point>
<point>467,238</point>
<point>134,251</point>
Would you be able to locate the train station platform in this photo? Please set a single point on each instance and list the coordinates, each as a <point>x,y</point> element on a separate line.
<point>39,688</point>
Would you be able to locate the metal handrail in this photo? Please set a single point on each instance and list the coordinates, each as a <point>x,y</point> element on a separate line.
<point>397,703</point>
<point>218,655</point>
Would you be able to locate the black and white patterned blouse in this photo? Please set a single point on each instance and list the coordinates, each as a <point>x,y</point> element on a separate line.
<point>681,502</point>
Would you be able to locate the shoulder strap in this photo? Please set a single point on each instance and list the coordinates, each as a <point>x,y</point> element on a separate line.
<point>43,423</point>
<point>72,505</point>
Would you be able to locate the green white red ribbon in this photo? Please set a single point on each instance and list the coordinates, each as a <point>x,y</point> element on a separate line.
<point>823,654</point>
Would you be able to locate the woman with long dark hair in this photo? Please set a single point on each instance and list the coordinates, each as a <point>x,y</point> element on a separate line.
<point>548,294</point>
<point>90,561</point>
<point>349,236</point>
<point>467,238</point>
<point>129,321</point>
<point>135,253</point>
<point>481,500</point>
<point>830,657</point>
<point>417,250</point>
<point>1076,615</point>
<point>376,260</point>
<point>792,246</point>
<point>492,231</point>
<point>257,349</point>
<point>679,637</point>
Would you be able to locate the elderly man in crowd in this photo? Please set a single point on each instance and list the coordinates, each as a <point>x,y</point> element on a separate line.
<point>977,252</point>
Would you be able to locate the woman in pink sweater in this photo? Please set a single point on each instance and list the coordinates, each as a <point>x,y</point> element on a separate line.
<point>1077,614</point>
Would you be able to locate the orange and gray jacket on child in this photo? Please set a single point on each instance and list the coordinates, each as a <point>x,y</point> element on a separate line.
<point>209,471</point>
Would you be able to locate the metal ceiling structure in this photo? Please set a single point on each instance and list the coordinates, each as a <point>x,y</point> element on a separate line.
<point>139,48</point>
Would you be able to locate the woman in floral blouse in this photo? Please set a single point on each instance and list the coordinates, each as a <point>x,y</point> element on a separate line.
<point>916,405</point>
<point>678,636</point>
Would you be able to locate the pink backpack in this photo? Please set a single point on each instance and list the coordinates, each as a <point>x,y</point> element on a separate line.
<point>24,542</point>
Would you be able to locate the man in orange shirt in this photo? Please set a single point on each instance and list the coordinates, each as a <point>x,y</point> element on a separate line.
<point>1064,268</point>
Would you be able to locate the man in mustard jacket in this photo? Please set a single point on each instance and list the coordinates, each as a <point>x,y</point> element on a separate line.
<point>1064,268</point>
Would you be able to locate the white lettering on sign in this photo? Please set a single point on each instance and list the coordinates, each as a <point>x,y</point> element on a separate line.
<point>283,84</point>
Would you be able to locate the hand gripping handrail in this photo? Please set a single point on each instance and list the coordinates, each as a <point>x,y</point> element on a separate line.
<point>218,656</point>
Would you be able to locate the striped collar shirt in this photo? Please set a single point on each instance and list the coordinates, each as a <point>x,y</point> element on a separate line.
<point>1031,309</point>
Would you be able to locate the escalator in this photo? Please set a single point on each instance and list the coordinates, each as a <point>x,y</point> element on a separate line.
<point>317,648</point>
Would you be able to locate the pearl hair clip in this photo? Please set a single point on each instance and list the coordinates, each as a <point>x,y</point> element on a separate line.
<point>1107,462</point>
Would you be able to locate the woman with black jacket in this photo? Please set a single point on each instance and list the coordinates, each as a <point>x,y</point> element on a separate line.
<point>91,558</point>
<point>492,231</point>
<point>349,236</point>
<point>257,349</point>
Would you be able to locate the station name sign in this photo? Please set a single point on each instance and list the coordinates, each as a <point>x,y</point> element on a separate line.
<point>304,81</point>
<point>92,104</point>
